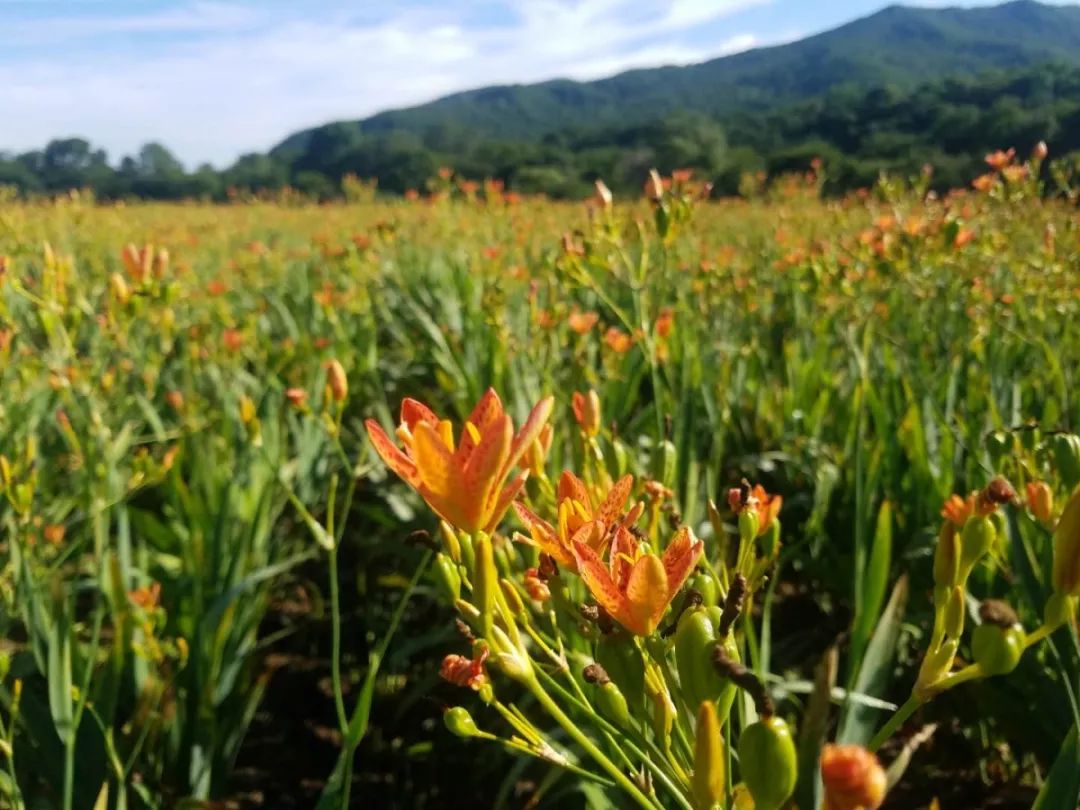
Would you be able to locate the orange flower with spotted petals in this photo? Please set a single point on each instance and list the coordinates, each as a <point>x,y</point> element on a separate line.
<point>462,482</point>
<point>583,517</point>
<point>635,588</point>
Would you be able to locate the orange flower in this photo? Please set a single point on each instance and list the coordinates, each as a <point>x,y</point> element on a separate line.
<point>664,321</point>
<point>463,484</point>
<point>618,341</point>
<point>957,510</point>
<point>767,506</point>
<point>635,588</point>
<point>147,596</point>
<point>999,159</point>
<point>852,777</point>
<point>582,322</point>
<point>296,397</point>
<point>581,518</point>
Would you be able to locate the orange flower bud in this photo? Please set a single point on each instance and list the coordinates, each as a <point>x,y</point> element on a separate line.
<point>1040,500</point>
<point>175,399</point>
<point>587,411</point>
<point>337,381</point>
<point>296,397</point>
<point>852,777</point>
<point>1040,151</point>
<point>536,587</point>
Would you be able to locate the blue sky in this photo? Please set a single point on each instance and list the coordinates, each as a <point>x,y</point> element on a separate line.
<point>214,78</point>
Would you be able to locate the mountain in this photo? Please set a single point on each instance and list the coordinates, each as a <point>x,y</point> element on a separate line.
<point>898,46</point>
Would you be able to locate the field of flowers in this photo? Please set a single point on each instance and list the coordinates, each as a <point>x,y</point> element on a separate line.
<point>663,502</point>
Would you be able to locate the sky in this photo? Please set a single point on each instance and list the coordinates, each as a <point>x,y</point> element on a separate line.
<point>212,79</point>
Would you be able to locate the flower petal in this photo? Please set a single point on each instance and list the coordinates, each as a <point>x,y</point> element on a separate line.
<point>505,498</point>
<point>680,557</point>
<point>436,466</point>
<point>530,430</point>
<point>616,498</point>
<point>570,486</point>
<point>413,411</point>
<point>647,595</point>
<point>483,471</point>
<point>598,581</point>
<point>391,454</point>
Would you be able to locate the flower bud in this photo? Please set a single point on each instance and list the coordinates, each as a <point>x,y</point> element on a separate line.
<point>708,780</point>
<point>997,650</point>
<point>768,762</point>
<point>587,411</point>
<point>1066,574</point>
<point>622,660</point>
<point>336,381</point>
<point>1040,151</point>
<point>448,577</point>
<point>486,579</point>
<point>450,541</point>
<point>852,777</point>
<point>460,722</point>
<point>977,538</point>
<point>512,597</point>
<point>947,556</point>
<point>748,524</point>
<point>1040,500</point>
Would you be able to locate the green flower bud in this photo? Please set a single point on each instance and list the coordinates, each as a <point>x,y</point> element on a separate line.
<point>947,556</point>
<point>977,538</point>
<point>708,780</point>
<point>768,762</point>
<point>748,525</point>
<point>512,597</point>
<point>997,650</point>
<point>447,577</point>
<point>486,580</point>
<point>460,722</point>
<point>612,705</point>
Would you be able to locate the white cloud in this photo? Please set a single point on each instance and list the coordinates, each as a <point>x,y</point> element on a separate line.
<point>238,78</point>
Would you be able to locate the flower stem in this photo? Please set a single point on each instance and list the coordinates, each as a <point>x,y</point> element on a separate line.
<point>568,725</point>
<point>897,720</point>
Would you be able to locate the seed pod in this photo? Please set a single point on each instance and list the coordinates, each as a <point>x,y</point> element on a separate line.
<point>708,779</point>
<point>460,722</point>
<point>768,762</point>
<point>748,524</point>
<point>997,650</point>
<point>705,584</point>
<point>695,643</point>
<point>1067,458</point>
<point>1066,574</point>
<point>448,578</point>
<point>621,659</point>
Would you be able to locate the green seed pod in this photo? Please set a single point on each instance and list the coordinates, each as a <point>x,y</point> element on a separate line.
<point>947,556</point>
<point>612,704</point>
<point>977,538</point>
<point>997,650</point>
<point>460,722</point>
<point>1067,458</point>
<point>695,642</point>
<point>447,577</point>
<point>664,464</point>
<point>708,780</point>
<point>768,762</point>
<point>621,659</point>
<point>705,583</point>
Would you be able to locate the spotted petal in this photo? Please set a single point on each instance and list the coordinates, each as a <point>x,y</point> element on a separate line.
<point>680,557</point>
<point>597,579</point>
<point>530,430</point>
<point>391,454</point>
<point>413,411</point>
<point>647,595</point>
<point>616,498</point>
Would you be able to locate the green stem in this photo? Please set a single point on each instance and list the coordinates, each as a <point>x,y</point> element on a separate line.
<point>897,720</point>
<point>335,640</point>
<point>568,725</point>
